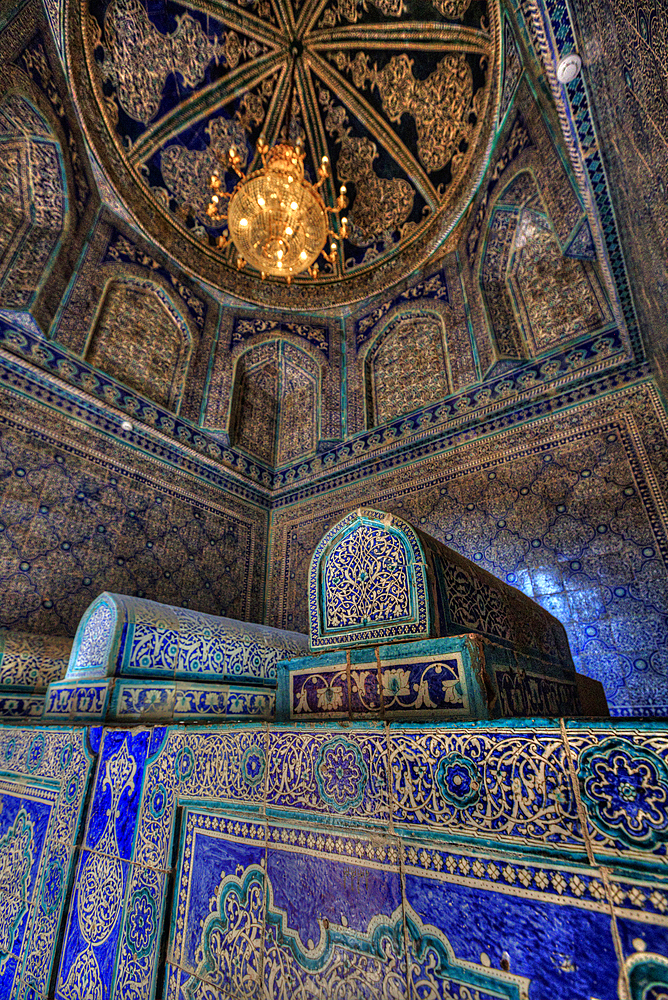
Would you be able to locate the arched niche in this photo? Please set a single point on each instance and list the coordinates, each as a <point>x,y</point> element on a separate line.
<point>536,298</point>
<point>406,366</point>
<point>368,583</point>
<point>140,339</point>
<point>33,199</point>
<point>275,403</point>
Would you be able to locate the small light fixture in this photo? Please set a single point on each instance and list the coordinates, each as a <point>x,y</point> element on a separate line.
<point>569,67</point>
<point>127,425</point>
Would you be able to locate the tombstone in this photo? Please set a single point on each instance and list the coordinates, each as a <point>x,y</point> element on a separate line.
<point>403,625</point>
<point>137,659</point>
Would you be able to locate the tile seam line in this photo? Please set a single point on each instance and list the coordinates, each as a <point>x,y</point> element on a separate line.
<point>602,870</point>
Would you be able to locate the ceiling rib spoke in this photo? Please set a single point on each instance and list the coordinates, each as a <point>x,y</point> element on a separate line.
<point>316,137</point>
<point>241,20</point>
<point>217,95</point>
<point>275,113</point>
<point>424,36</point>
<point>309,15</point>
<point>372,121</point>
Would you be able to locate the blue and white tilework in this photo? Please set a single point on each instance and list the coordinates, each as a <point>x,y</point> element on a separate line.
<point>132,636</point>
<point>44,775</point>
<point>269,861</point>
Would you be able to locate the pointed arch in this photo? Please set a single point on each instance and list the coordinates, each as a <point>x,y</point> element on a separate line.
<point>276,402</point>
<point>535,297</point>
<point>33,199</point>
<point>406,365</point>
<point>141,339</point>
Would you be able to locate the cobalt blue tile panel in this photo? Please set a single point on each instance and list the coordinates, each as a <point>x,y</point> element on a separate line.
<point>20,705</point>
<point>276,861</point>
<point>374,578</point>
<point>461,677</point>
<point>368,582</point>
<point>44,777</point>
<point>132,636</point>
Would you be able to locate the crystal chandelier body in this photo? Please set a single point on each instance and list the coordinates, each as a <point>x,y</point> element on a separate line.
<point>276,218</point>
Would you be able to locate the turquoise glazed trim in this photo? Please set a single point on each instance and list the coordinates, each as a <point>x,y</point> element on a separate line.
<point>367,583</point>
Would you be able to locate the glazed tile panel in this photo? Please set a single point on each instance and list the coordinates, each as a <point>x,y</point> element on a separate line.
<point>139,700</point>
<point>44,777</point>
<point>31,662</point>
<point>387,859</point>
<point>460,677</point>
<point>373,578</point>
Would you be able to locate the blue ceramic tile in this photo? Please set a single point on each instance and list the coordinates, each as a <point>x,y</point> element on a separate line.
<point>426,685</point>
<point>329,772</point>
<point>365,695</point>
<point>334,914</point>
<point>117,793</point>
<point>200,700</point>
<point>95,918</point>
<point>140,932</point>
<point>319,692</point>
<point>645,949</point>
<point>250,703</point>
<point>219,899</point>
<point>623,776</point>
<point>224,764</point>
<point>548,945</point>
<point>78,701</point>
<point>142,700</point>
<point>476,782</point>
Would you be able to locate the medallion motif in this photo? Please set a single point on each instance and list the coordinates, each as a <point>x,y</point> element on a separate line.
<point>341,773</point>
<point>625,789</point>
<point>366,579</point>
<point>458,780</point>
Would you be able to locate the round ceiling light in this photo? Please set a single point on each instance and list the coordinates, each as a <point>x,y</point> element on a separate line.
<point>569,67</point>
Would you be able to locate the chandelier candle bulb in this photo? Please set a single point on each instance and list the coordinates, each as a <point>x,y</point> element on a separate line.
<point>277,219</point>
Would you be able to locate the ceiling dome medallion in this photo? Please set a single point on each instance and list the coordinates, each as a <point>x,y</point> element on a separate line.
<point>399,96</point>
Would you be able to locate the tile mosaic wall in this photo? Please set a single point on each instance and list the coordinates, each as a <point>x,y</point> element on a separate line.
<point>570,509</point>
<point>44,777</point>
<point>623,44</point>
<point>82,513</point>
<point>373,861</point>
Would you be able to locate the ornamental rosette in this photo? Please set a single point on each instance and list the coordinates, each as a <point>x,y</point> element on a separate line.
<point>142,922</point>
<point>458,780</point>
<point>625,790</point>
<point>341,773</point>
<point>253,764</point>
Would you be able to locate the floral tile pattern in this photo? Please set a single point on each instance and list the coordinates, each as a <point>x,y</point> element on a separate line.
<point>298,873</point>
<point>43,786</point>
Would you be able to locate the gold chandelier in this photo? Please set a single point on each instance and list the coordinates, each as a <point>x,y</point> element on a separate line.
<point>276,218</point>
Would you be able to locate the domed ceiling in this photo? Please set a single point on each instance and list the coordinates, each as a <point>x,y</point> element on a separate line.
<point>401,96</point>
